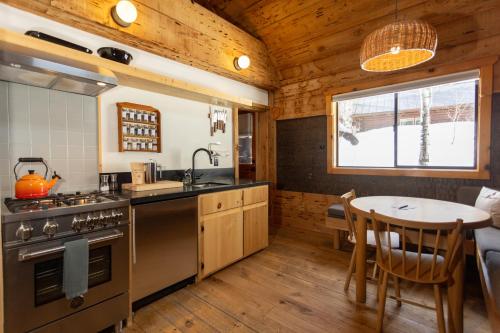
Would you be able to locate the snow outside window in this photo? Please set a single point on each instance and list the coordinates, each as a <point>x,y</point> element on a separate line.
<point>429,127</point>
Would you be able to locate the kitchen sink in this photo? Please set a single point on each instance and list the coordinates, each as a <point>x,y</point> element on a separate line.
<point>208,184</point>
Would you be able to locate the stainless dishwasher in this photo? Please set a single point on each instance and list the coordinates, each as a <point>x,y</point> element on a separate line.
<point>164,244</point>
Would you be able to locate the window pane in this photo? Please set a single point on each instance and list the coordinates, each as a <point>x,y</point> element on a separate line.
<point>436,126</point>
<point>366,132</point>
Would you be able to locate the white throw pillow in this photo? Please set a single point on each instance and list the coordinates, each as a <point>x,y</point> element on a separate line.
<point>489,201</point>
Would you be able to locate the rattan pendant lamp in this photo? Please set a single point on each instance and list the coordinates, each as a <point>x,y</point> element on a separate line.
<point>398,45</point>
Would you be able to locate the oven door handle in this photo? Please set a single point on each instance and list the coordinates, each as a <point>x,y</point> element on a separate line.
<point>25,255</point>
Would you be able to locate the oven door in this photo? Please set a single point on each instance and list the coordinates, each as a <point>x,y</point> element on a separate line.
<point>34,276</point>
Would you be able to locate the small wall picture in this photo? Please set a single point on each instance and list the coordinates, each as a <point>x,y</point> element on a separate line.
<point>218,119</point>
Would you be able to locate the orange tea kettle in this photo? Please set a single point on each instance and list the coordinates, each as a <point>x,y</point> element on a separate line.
<point>32,185</point>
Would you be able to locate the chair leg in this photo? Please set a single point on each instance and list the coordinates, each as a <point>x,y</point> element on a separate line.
<point>438,297</point>
<point>375,271</point>
<point>397,289</point>
<point>381,302</point>
<point>350,271</point>
<point>379,283</point>
<point>336,239</point>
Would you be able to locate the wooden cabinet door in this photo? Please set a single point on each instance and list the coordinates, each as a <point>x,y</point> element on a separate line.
<point>222,240</point>
<point>255,231</point>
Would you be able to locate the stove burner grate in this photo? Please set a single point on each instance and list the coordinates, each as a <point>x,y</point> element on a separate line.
<point>54,201</point>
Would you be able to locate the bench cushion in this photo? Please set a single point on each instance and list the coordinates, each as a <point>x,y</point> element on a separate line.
<point>488,239</point>
<point>337,211</point>
<point>492,262</point>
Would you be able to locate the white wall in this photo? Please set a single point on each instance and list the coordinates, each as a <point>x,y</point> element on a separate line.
<point>185,123</point>
<point>185,127</point>
<point>59,127</point>
<point>21,21</point>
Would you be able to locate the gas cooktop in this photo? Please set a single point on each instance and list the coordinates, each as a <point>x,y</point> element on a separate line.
<point>59,200</point>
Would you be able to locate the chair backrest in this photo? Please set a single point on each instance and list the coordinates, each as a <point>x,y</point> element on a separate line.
<point>425,263</point>
<point>346,202</point>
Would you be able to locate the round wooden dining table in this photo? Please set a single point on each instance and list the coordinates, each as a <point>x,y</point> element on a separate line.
<point>421,210</point>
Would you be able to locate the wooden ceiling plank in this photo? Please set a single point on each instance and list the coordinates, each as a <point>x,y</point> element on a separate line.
<point>197,17</point>
<point>330,44</point>
<point>271,12</point>
<point>230,10</point>
<point>462,30</point>
<point>328,18</point>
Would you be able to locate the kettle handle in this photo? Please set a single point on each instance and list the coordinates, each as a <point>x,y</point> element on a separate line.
<point>31,160</point>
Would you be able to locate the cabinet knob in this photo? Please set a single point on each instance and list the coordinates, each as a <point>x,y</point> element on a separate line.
<point>219,205</point>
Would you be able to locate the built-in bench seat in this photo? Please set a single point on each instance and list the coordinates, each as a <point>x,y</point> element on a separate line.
<point>336,211</point>
<point>335,219</point>
<point>488,259</point>
<point>487,240</point>
<point>493,266</point>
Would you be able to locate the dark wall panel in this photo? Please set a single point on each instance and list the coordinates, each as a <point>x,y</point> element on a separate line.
<point>301,165</point>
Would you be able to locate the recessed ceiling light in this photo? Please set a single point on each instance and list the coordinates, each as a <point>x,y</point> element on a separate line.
<point>124,13</point>
<point>241,62</point>
<point>102,84</point>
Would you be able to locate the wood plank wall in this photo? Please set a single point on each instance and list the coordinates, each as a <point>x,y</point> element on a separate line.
<point>469,30</point>
<point>176,29</point>
<point>473,34</point>
<point>299,210</point>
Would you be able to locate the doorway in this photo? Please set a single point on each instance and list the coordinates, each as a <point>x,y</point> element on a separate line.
<point>247,122</point>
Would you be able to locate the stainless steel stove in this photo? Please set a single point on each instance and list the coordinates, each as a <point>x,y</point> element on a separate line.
<point>33,237</point>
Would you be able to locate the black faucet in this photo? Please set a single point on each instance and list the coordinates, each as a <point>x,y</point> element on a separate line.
<point>193,176</point>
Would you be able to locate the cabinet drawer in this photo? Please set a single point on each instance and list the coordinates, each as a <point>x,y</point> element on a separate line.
<point>255,194</point>
<point>217,202</point>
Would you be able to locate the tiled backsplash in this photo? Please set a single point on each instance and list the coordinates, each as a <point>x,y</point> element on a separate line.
<point>58,126</point>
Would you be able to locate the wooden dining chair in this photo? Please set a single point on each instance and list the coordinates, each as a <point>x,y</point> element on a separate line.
<point>370,238</point>
<point>428,265</point>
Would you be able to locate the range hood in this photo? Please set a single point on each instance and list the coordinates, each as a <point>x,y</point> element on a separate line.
<point>38,72</point>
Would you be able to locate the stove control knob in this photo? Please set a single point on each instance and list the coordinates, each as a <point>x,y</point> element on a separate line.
<point>91,221</point>
<point>50,228</point>
<point>116,216</point>
<point>102,220</point>
<point>24,231</point>
<point>77,224</point>
<point>107,219</point>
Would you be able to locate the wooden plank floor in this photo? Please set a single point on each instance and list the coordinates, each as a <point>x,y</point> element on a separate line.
<point>295,285</point>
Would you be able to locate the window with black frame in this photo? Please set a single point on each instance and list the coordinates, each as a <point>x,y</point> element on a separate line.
<point>429,124</point>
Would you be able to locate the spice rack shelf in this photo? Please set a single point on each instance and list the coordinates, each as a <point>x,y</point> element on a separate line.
<point>139,128</point>
<point>139,136</point>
